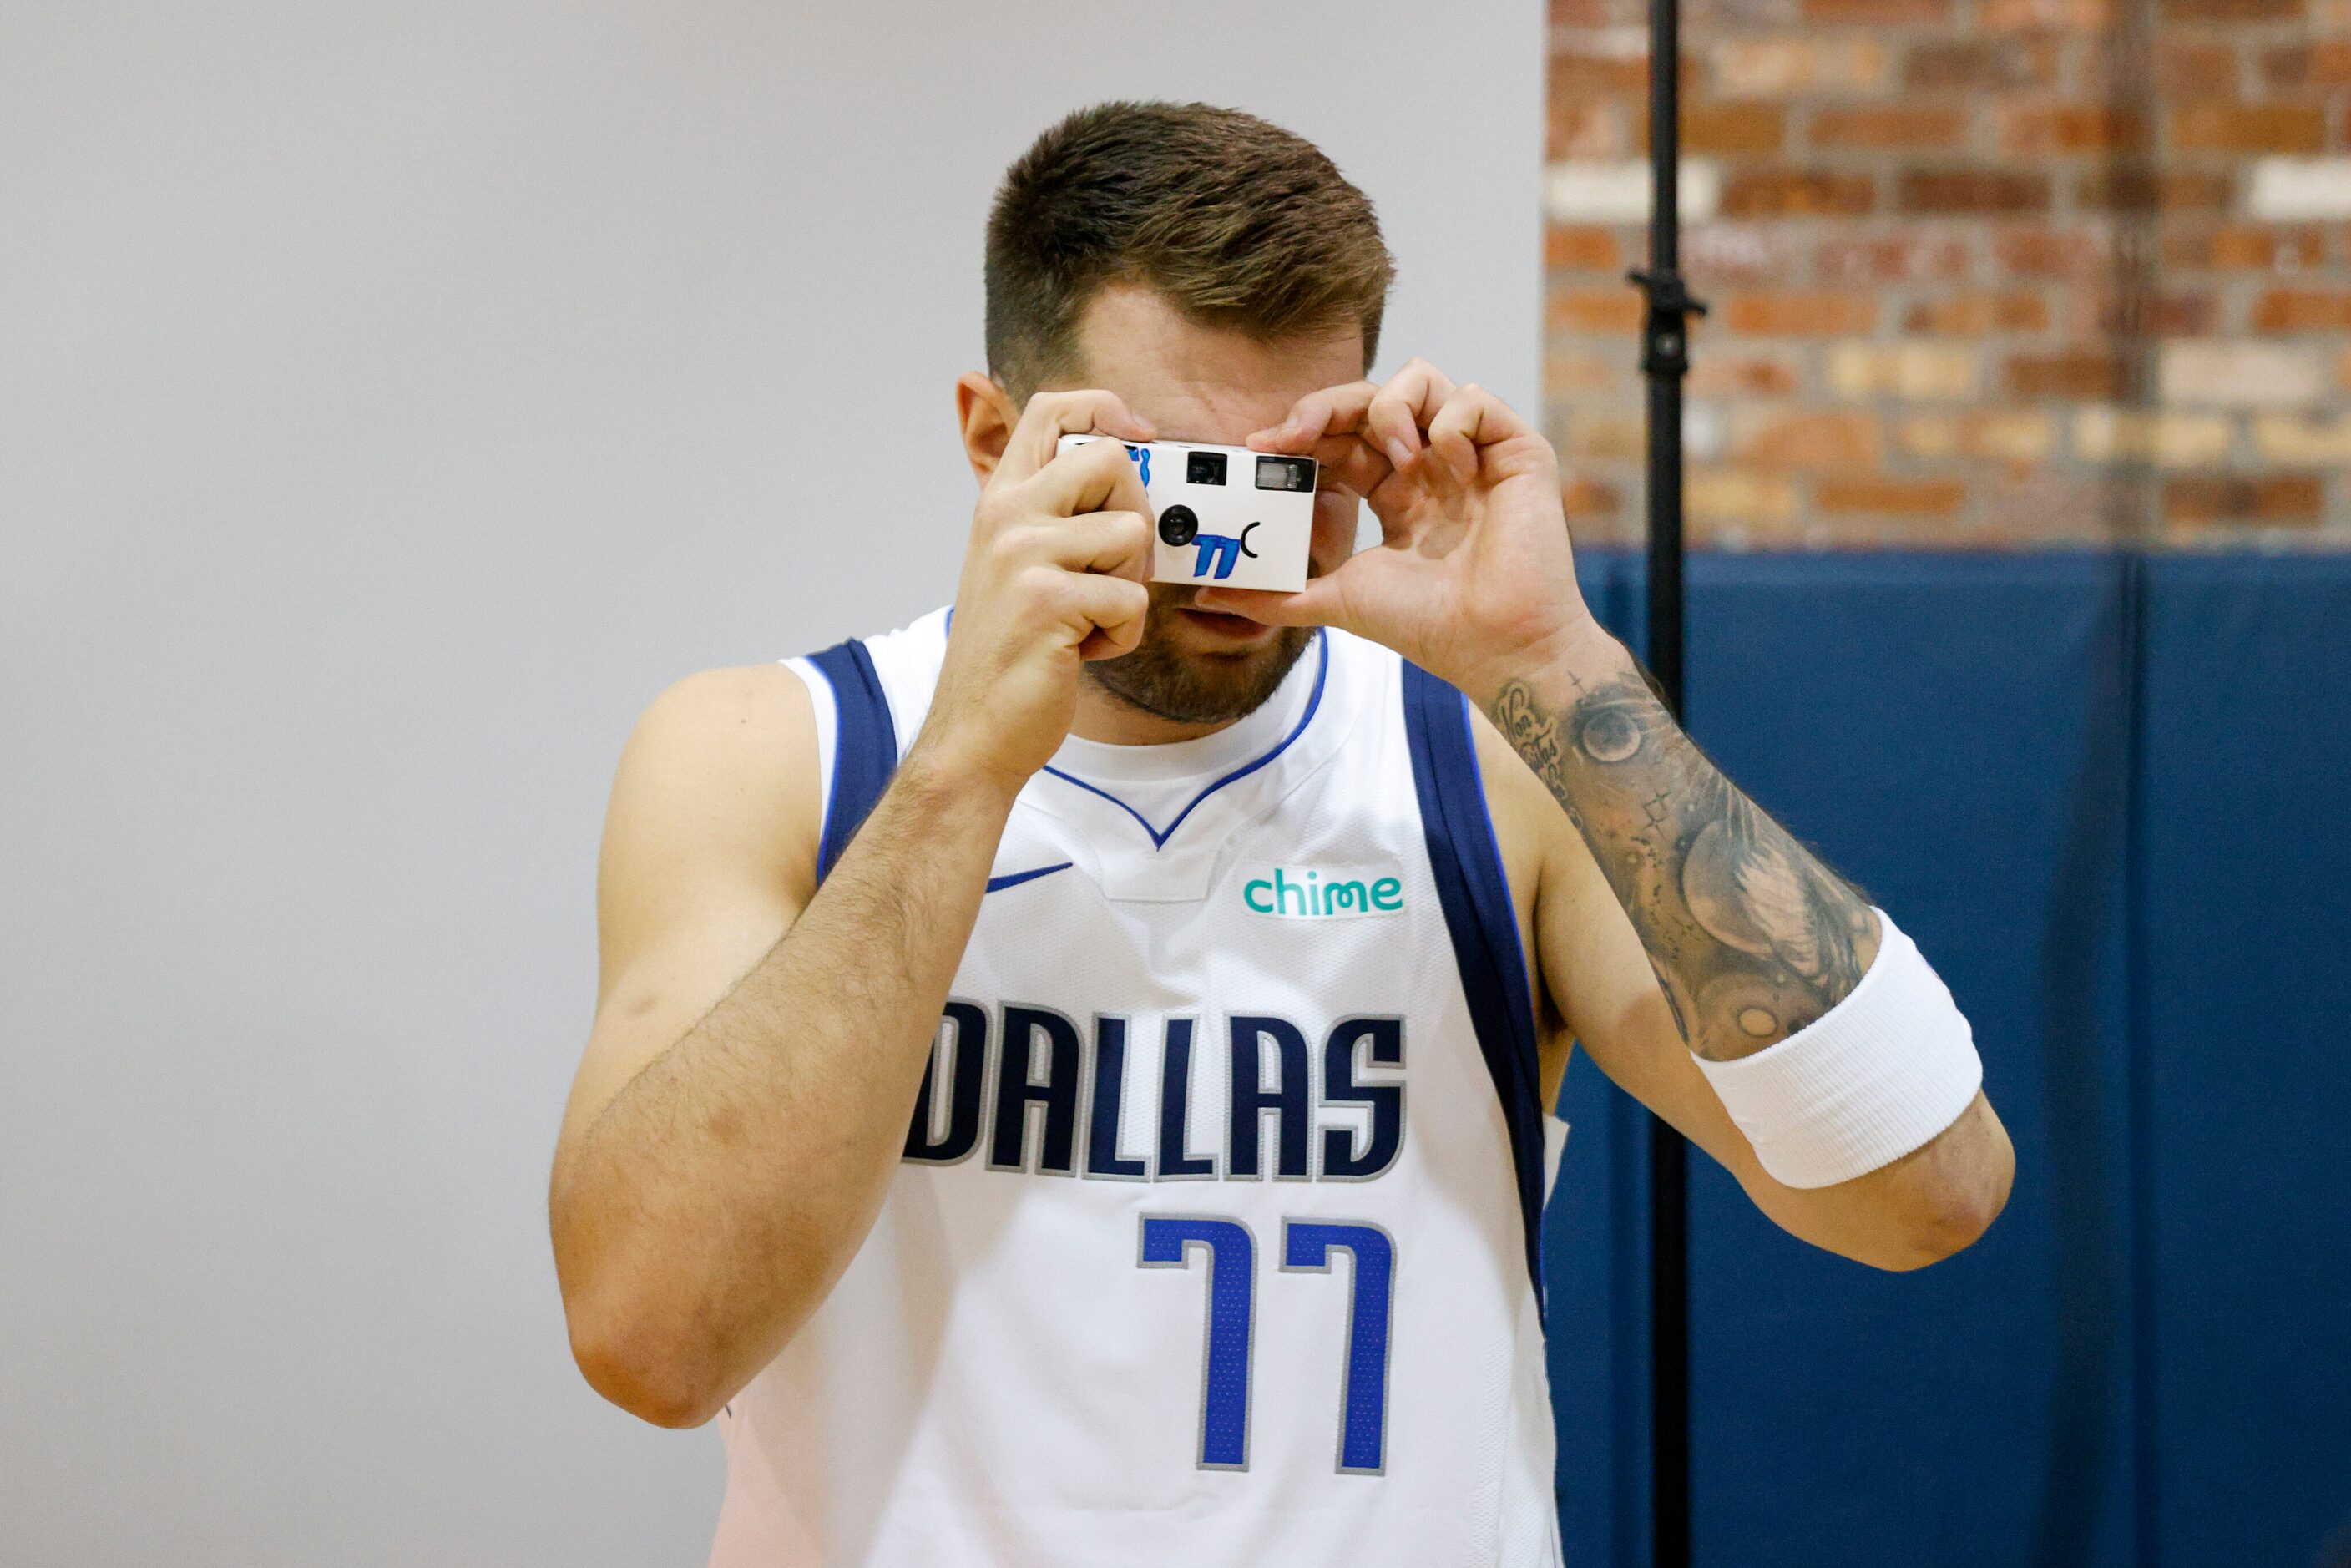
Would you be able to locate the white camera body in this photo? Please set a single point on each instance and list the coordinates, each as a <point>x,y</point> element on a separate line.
<point>1224,516</point>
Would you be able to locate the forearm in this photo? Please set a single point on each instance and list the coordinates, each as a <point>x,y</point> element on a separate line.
<point>1751,936</point>
<point>710,1207</point>
<point>1868,1135</point>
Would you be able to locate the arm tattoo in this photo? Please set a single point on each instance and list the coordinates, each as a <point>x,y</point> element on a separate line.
<point>1750,935</point>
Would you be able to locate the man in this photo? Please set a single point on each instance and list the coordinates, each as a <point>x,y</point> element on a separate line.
<point>1009,1023</point>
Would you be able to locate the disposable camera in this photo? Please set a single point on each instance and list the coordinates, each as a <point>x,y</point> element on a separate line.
<point>1223,514</point>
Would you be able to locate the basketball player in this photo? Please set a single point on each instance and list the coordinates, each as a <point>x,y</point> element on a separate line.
<point>1069,1080</point>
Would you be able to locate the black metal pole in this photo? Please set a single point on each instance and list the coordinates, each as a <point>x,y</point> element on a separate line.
<point>1665,360</point>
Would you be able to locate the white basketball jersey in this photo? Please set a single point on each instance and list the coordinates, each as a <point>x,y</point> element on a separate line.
<point>1211,1244</point>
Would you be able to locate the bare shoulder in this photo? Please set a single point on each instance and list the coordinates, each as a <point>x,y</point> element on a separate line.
<point>717,785</point>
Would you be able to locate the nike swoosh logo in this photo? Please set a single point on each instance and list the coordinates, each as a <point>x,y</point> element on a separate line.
<point>1014,879</point>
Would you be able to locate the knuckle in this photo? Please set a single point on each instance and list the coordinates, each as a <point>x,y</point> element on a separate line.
<point>1017,543</point>
<point>1041,584</point>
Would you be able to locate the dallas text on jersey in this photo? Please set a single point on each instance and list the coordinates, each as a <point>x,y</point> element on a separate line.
<point>1034,1077</point>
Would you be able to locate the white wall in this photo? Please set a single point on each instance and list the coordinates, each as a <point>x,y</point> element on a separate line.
<point>393,399</point>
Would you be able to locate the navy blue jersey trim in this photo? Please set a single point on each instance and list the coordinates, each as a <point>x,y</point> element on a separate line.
<point>1015,878</point>
<point>864,747</point>
<point>1475,898</point>
<point>1159,839</point>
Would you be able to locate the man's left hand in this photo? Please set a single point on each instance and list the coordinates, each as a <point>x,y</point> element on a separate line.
<point>1473,578</point>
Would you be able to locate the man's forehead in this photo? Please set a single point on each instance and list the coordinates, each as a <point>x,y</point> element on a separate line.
<point>1201,383</point>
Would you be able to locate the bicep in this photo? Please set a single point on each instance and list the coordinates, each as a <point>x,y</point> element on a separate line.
<point>708,857</point>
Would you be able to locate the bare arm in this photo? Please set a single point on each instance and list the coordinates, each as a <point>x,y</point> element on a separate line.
<point>1609,996</point>
<point>760,1042</point>
<point>704,1206</point>
<point>1681,917</point>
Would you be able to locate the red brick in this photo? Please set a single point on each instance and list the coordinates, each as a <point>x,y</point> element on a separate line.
<point>2302,310</point>
<point>2322,63</point>
<point>2139,313</point>
<point>1714,374</point>
<point>1579,127</point>
<point>1799,314</point>
<point>1724,128</point>
<point>2242,247</point>
<point>1806,439</point>
<point>1593,70</point>
<point>2212,126</point>
<point>1978,65</point>
<point>2188,66</point>
<point>2073,16</point>
<point>1585,497</point>
<point>1974,315</point>
<point>1594,310</point>
<point>1797,193</point>
<point>1876,13</point>
<point>1581,12</point>
<point>1883,495</point>
<point>2040,130</point>
<point>1893,126</point>
<point>1577,248</point>
<point>2079,375</point>
<point>1570,371</point>
<point>1981,191</point>
<point>2241,498</point>
<point>2136,190</point>
<point>1912,255</point>
<point>2227,13</point>
<point>2075,254</point>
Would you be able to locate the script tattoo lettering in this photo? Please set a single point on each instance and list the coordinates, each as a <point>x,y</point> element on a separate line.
<point>1751,936</point>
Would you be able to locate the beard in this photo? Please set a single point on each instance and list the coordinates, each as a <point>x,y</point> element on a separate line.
<point>1162,678</point>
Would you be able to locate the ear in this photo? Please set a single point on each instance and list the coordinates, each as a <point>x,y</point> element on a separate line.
<point>985,413</point>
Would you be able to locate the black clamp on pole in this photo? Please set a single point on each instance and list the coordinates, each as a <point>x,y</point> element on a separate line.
<point>1664,325</point>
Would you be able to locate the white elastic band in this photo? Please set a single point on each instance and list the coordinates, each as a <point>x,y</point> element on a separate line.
<point>1875,1077</point>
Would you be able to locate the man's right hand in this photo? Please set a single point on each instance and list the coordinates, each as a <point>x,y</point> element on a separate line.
<point>1060,546</point>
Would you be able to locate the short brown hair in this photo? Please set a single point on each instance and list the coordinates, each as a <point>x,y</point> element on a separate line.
<point>1240,222</point>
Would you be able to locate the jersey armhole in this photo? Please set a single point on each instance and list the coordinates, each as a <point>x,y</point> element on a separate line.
<point>864,744</point>
<point>1466,859</point>
<point>828,730</point>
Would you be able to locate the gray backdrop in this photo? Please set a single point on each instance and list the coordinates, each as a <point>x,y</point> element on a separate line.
<point>393,399</point>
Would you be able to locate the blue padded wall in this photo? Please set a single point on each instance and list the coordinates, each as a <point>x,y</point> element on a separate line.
<point>1986,743</point>
<point>2245,1016</point>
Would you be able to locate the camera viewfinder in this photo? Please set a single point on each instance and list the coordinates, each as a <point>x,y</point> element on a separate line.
<point>1285,473</point>
<point>1203,468</point>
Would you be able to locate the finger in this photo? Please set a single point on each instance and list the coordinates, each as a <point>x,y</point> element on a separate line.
<point>1051,415</point>
<point>1095,477</point>
<point>1316,604</point>
<point>1404,408</point>
<point>1330,411</point>
<point>1114,544</point>
<point>1472,418</point>
<point>1114,608</point>
<point>1350,462</point>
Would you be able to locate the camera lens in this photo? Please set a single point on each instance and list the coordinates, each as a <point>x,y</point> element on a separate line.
<point>1179,525</point>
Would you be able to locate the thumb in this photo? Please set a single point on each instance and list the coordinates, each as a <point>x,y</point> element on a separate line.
<point>1317,604</point>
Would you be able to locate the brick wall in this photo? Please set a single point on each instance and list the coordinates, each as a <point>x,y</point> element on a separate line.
<point>1984,272</point>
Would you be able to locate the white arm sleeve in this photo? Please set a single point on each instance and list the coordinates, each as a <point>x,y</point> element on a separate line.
<point>1875,1077</point>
